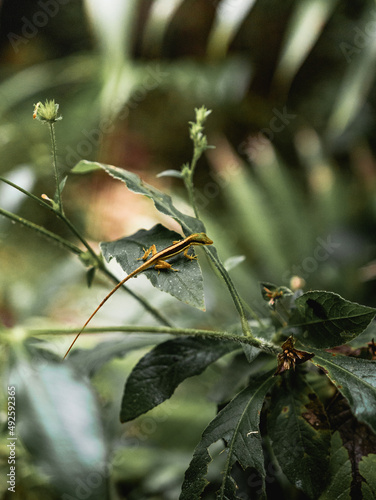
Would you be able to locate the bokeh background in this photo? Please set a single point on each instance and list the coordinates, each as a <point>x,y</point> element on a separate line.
<point>290,184</point>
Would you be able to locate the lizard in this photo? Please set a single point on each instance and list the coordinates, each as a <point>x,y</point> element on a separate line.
<point>158,260</point>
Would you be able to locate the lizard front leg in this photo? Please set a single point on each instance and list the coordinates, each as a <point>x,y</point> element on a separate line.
<point>152,250</point>
<point>190,257</point>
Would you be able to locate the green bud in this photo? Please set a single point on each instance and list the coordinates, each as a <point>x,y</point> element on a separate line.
<point>47,112</point>
<point>201,114</point>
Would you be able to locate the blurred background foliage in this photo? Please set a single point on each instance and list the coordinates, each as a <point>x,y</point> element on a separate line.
<point>290,185</point>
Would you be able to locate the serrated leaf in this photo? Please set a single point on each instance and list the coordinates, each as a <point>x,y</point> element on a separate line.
<point>299,430</point>
<point>339,472</point>
<point>58,422</point>
<point>325,319</point>
<point>186,284</point>
<point>156,376</point>
<point>162,201</point>
<point>238,425</point>
<point>355,378</point>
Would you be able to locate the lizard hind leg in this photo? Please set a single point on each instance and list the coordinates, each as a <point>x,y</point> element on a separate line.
<point>162,264</point>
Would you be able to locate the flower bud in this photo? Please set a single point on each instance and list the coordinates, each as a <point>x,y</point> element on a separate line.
<point>47,112</point>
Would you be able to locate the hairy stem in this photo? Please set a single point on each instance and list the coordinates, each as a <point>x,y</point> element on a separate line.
<point>215,335</point>
<point>54,163</point>
<point>41,230</point>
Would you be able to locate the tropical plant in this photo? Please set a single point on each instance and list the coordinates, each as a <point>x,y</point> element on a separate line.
<point>293,380</point>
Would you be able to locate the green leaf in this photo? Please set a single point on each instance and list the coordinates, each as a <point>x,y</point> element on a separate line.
<point>300,433</point>
<point>85,167</point>
<point>355,378</point>
<point>367,468</point>
<point>59,424</point>
<point>156,376</point>
<point>327,320</point>
<point>340,472</point>
<point>238,425</point>
<point>186,284</point>
<point>162,201</point>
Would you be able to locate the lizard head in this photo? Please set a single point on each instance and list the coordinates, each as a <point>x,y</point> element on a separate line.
<point>201,239</point>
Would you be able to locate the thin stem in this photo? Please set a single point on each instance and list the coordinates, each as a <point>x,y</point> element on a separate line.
<point>188,179</point>
<point>27,193</point>
<point>61,215</point>
<point>54,162</point>
<point>248,308</point>
<point>233,292</point>
<point>215,335</point>
<point>41,230</point>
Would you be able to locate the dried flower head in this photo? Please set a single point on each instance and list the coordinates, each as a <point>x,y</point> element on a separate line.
<point>290,357</point>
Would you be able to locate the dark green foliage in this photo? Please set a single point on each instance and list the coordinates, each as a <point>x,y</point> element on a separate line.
<point>300,434</point>
<point>157,374</point>
<point>238,425</point>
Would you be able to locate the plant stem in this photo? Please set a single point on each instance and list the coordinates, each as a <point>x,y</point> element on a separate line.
<point>233,292</point>
<point>41,230</point>
<point>215,335</point>
<point>188,180</point>
<point>54,162</point>
<point>61,215</point>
